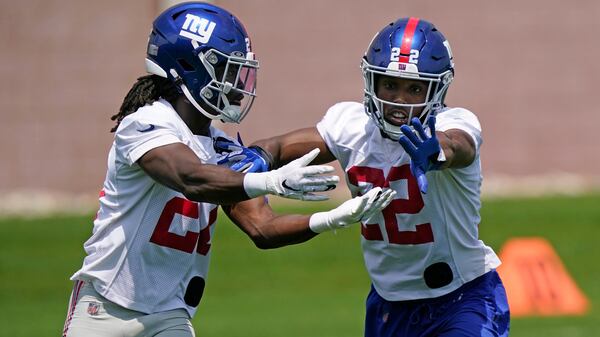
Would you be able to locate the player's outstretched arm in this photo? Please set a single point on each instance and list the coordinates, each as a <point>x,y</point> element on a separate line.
<point>295,144</point>
<point>436,150</point>
<point>177,166</point>
<point>269,230</point>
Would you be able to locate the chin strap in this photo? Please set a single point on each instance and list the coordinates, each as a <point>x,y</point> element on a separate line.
<point>188,95</point>
<point>224,116</point>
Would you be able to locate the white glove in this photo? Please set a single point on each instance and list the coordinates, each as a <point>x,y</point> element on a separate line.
<point>352,211</point>
<point>295,180</point>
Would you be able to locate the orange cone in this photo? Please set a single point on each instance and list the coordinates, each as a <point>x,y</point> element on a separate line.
<point>536,281</point>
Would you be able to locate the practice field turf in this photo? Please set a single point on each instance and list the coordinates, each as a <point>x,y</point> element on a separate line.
<point>316,289</point>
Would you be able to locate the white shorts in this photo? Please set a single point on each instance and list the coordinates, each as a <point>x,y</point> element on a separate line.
<point>91,315</point>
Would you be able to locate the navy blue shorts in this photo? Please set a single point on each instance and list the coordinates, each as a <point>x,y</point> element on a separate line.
<point>478,308</point>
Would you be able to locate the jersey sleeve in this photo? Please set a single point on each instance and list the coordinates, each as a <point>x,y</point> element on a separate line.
<point>137,135</point>
<point>462,119</point>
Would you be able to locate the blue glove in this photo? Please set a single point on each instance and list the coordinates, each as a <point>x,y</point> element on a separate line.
<point>422,149</point>
<point>240,158</point>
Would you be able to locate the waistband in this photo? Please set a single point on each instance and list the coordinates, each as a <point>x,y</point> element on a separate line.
<point>485,278</point>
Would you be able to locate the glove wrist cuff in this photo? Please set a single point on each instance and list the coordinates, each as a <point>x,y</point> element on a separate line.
<point>255,184</point>
<point>436,161</point>
<point>267,156</point>
<point>319,222</point>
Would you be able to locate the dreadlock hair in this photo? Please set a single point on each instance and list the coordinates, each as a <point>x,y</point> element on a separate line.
<point>146,90</point>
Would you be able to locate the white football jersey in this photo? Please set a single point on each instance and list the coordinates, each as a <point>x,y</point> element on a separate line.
<point>416,230</point>
<point>148,240</point>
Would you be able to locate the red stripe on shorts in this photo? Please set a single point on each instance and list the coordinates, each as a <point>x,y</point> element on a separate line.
<point>74,298</point>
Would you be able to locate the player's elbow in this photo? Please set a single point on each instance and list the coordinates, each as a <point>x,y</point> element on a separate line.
<point>192,186</point>
<point>262,241</point>
<point>195,193</point>
<point>264,245</point>
<point>261,238</point>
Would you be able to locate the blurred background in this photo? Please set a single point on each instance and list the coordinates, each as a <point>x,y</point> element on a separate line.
<point>528,70</point>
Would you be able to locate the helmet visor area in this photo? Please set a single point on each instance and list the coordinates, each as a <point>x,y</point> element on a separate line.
<point>376,104</point>
<point>233,87</point>
<point>239,75</point>
<point>376,76</point>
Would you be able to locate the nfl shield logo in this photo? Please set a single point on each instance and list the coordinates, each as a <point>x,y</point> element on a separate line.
<point>93,308</point>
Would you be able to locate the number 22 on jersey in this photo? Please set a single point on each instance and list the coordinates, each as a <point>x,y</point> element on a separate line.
<point>413,205</point>
<point>186,243</point>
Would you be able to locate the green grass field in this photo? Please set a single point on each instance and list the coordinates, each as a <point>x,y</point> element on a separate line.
<point>314,289</point>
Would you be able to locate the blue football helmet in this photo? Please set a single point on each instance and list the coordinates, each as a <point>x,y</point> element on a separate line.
<point>205,51</point>
<point>409,48</point>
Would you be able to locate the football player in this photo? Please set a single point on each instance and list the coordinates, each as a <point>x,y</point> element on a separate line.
<point>430,273</point>
<point>147,259</point>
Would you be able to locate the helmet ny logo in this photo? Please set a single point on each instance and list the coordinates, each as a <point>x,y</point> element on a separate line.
<point>447,45</point>
<point>197,28</point>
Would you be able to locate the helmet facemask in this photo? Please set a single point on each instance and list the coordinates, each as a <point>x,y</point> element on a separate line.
<point>437,85</point>
<point>232,88</point>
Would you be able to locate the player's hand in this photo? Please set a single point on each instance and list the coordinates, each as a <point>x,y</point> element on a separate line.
<point>352,211</point>
<point>240,158</point>
<point>422,149</point>
<point>295,180</point>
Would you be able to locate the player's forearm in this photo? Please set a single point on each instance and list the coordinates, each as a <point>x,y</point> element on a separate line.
<point>178,167</point>
<point>295,144</point>
<point>282,230</point>
<point>267,229</point>
<point>458,148</point>
<point>213,184</point>
<point>273,147</point>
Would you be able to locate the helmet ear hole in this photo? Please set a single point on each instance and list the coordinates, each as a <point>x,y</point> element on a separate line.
<point>177,14</point>
<point>447,79</point>
<point>185,65</point>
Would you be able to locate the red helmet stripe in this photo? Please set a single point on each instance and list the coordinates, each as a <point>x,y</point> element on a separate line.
<point>407,39</point>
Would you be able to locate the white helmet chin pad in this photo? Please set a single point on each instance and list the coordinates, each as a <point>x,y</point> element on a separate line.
<point>391,130</point>
<point>232,113</point>
<point>190,98</point>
